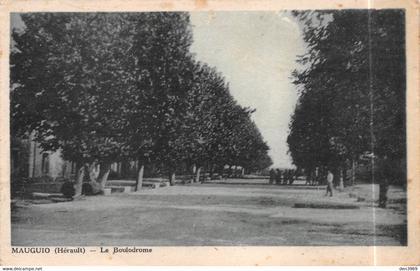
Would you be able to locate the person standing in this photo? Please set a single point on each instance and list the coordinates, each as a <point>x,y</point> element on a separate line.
<point>281,178</point>
<point>292,176</point>
<point>285,177</point>
<point>330,178</point>
<point>316,180</point>
<point>309,178</point>
<point>278,176</point>
<point>289,176</point>
<point>272,176</point>
<point>383,191</point>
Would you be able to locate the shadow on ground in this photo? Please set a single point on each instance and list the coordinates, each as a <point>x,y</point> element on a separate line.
<point>213,215</point>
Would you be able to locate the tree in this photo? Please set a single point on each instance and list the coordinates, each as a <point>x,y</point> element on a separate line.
<point>104,88</point>
<point>69,72</point>
<point>161,47</point>
<point>219,131</point>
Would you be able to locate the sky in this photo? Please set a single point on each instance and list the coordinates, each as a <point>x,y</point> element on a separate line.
<point>256,52</point>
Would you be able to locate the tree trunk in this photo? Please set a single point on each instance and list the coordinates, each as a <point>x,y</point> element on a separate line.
<point>243,172</point>
<point>94,172</point>
<point>197,175</point>
<point>353,171</point>
<point>79,181</point>
<point>336,180</point>
<point>383,191</point>
<point>341,182</point>
<point>211,171</point>
<point>97,178</point>
<point>103,177</point>
<point>172,178</point>
<point>139,180</point>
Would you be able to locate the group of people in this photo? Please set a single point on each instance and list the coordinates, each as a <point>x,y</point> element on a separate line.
<point>278,176</point>
<point>326,176</point>
<point>283,177</point>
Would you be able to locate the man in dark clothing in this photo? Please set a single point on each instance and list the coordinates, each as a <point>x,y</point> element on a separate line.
<point>385,175</point>
<point>285,177</point>
<point>383,191</point>
<point>278,176</point>
<point>330,178</point>
<point>272,176</point>
<point>289,176</point>
<point>292,176</point>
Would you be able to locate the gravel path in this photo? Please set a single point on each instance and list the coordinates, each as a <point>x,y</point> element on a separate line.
<point>215,214</point>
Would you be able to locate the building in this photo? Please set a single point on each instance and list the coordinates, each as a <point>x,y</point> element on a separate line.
<point>28,160</point>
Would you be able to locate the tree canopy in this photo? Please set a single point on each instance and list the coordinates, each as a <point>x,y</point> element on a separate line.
<point>352,88</point>
<point>103,87</point>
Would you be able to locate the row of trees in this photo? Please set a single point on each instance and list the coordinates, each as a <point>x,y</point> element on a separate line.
<point>352,92</point>
<point>104,88</point>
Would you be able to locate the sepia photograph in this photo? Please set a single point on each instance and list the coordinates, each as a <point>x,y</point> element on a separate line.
<point>208,128</point>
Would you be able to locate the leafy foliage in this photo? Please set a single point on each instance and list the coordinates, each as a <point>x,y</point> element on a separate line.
<point>109,87</point>
<point>352,88</point>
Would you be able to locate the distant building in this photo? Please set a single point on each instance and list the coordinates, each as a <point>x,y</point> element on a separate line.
<point>28,160</point>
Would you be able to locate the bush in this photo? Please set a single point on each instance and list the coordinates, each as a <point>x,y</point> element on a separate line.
<point>67,189</point>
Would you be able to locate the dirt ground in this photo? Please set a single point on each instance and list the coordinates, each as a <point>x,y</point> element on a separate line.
<point>211,214</point>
